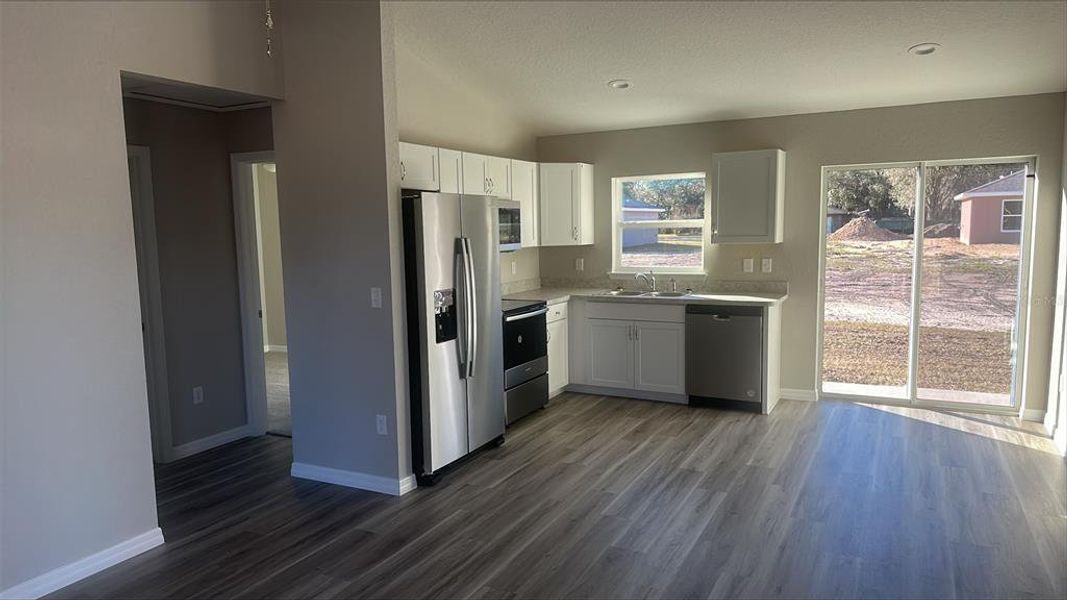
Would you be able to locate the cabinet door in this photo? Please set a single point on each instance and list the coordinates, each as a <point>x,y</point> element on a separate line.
<point>475,177</point>
<point>660,357</point>
<point>611,353</point>
<point>499,172</point>
<point>558,364</point>
<point>557,202</point>
<point>451,162</point>
<point>748,192</point>
<point>524,186</point>
<point>418,167</point>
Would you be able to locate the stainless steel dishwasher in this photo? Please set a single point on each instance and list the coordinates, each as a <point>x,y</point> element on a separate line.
<point>724,353</point>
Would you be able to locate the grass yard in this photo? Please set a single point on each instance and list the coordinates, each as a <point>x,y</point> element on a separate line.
<point>949,359</point>
<point>968,310</point>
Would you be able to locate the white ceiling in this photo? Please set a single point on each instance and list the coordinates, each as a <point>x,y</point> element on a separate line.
<point>701,61</point>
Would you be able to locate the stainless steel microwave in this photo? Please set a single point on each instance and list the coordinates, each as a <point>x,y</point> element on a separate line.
<point>510,225</point>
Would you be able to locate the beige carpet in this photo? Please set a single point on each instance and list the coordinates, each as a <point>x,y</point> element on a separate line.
<point>278,419</point>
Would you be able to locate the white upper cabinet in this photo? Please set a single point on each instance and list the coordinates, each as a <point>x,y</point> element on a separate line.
<point>499,171</point>
<point>418,167</point>
<point>486,175</point>
<point>566,204</point>
<point>524,186</point>
<point>451,162</point>
<point>748,192</point>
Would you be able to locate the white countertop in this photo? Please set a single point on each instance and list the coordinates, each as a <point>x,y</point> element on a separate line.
<point>557,295</point>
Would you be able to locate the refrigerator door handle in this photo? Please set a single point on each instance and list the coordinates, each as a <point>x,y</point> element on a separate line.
<point>462,293</point>
<point>472,308</point>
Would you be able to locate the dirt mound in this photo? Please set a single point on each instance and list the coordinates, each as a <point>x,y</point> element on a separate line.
<point>862,229</point>
<point>942,230</point>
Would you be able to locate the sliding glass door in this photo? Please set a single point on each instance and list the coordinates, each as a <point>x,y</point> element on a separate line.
<point>921,281</point>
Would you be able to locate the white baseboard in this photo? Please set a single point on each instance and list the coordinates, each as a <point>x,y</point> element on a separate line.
<point>794,394</point>
<point>211,441</point>
<point>275,348</point>
<point>1034,414</point>
<point>354,479</point>
<point>80,569</point>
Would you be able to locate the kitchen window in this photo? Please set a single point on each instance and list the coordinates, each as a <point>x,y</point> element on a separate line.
<point>659,223</point>
<point>1011,216</point>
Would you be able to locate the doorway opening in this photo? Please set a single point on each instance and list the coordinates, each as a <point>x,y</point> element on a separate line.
<point>256,198</point>
<point>921,279</point>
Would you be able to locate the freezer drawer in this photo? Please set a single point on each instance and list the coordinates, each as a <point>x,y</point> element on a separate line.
<point>724,352</point>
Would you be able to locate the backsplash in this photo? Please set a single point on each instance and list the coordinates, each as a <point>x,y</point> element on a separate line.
<point>521,285</point>
<point>706,285</point>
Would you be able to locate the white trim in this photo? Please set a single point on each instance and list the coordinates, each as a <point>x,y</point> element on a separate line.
<point>796,394</point>
<point>151,299</point>
<point>354,479</point>
<point>1034,414</point>
<point>275,348</point>
<point>244,219</point>
<point>968,196</point>
<point>211,441</point>
<point>80,569</point>
<point>1022,202</point>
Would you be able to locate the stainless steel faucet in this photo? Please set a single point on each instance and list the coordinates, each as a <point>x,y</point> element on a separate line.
<point>649,278</point>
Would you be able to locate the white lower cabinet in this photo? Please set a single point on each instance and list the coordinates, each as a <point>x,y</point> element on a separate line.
<point>659,357</point>
<point>558,360</point>
<point>611,353</point>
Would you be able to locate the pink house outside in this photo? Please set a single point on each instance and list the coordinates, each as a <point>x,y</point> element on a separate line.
<point>992,213</point>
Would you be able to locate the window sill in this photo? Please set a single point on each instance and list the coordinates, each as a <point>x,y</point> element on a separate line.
<point>679,275</point>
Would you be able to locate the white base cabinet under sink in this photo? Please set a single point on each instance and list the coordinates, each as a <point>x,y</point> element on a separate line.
<point>632,347</point>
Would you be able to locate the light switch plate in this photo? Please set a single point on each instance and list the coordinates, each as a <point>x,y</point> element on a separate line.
<point>766,265</point>
<point>382,424</point>
<point>514,268</point>
<point>376,297</point>
<point>748,265</point>
<point>579,264</point>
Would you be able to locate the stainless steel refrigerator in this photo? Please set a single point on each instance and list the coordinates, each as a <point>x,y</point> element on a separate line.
<point>455,350</point>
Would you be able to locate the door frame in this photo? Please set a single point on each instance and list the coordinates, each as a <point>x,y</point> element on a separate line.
<point>1019,391</point>
<point>244,221</point>
<point>151,300</point>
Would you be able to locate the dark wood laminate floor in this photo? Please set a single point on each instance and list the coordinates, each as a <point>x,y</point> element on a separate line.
<point>604,497</point>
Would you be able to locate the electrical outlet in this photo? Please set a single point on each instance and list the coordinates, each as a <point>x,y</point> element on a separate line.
<point>376,297</point>
<point>579,264</point>
<point>766,265</point>
<point>748,265</point>
<point>383,425</point>
<point>198,394</point>
<point>514,268</point>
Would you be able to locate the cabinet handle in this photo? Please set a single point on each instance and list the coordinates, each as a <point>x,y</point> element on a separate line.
<point>403,171</point>
<point>637,333</point>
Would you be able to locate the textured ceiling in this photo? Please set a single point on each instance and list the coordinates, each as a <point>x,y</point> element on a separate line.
<point>550,61</point>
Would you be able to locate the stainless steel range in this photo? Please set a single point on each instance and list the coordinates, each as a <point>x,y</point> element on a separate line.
<point>525,357</point>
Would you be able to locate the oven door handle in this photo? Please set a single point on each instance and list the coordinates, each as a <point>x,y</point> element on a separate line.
<point>528,315</point>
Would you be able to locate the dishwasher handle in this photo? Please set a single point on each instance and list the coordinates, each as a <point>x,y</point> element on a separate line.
<point>723,312</point>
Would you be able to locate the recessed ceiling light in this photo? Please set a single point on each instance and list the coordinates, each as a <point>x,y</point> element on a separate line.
<point>924,49</point>
<point>618,84</point>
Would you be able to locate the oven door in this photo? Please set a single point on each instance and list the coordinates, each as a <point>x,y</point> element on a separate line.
<point>525,337</point>
<point>510,225</point>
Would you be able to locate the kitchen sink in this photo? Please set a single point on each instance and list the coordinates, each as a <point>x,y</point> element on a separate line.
<point>626,293</point>
<point>666,294</point>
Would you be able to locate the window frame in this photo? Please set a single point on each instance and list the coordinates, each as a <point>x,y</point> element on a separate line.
<point>618,226</point>
<point>1003,205</point>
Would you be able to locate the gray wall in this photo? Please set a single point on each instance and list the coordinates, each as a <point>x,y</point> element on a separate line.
<point>271,282</point>
<point>191,184</point>
<point>337,188</point>
<point>979,128</point>
<point>75,415</point>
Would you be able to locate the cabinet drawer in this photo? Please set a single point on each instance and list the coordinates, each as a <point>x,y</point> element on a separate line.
<point>674,313</point>
<point>556,312</point>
